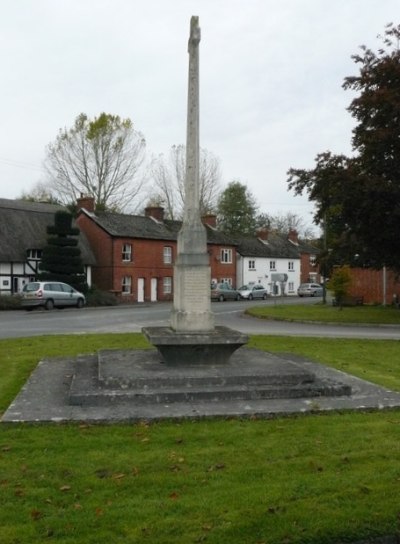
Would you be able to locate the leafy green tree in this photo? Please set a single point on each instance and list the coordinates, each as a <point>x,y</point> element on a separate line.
<point>358,198</point>
<point>340,283</point>
<point>237,210</point>
<point>61,259</point>
<point>100,157</point>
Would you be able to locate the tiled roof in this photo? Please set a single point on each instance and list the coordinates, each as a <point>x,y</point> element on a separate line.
<point>138,226</point>
<point>23,226</point>
<point>277,246</point>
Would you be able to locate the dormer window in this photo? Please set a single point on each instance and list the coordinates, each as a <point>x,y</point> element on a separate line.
<point>34,254</point>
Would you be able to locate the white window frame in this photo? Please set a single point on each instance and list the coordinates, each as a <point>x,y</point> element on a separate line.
<point>272,265</point>
<point>167,254</point>
<point>252,264</point>
<point>167,285</point>
<point>291,287</point>
<point>226,256</point>
<point>126,253</point>
<point>291,266</point>
<point>226,280</point>
<point>34,254</point>
<point>126,285</point>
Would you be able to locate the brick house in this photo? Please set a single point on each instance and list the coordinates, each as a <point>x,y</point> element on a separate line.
<point>135,254</point>
<point>23,236</point>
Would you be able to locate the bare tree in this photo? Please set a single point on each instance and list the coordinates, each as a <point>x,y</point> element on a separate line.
<point>168,175</point>
<point>283,223</point>
<point>100,157</point>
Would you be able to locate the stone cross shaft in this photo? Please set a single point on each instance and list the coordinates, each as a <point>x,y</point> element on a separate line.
<point>192,202</point>
<point>192,305</point>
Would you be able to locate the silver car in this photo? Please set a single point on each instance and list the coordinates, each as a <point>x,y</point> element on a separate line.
<point>224,291</point>
<point>50,294</point>
<point>310,290</point>
<point>253,291</point>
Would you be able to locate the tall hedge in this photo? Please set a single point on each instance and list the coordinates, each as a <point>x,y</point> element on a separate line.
<point>61,259</point>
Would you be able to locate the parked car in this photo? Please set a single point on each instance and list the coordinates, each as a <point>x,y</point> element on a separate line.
<point>310,290</point>
<point>50,294</point>
<point>253,291</point>
<point>224,291</point>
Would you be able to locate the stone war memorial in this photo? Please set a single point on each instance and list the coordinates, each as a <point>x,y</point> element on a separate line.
<point>195,369</point>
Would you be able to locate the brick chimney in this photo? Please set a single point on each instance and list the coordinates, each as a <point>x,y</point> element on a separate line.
<point>293,236</point>
<point>210,219</point>
<point>156,212</point>
<point>86,202</point>
<point>263,234</point>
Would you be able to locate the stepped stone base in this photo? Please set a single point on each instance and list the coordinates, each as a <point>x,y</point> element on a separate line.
<point>116,394</point>
<point>141,378</point>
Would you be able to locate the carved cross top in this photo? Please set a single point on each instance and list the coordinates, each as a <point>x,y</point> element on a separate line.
<point>195,34</point>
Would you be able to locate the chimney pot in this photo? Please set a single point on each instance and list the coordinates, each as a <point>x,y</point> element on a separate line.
<point>156,212</point>
<point>86,202</point>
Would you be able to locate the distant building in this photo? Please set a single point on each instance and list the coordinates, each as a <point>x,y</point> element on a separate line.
<point>135,254</point>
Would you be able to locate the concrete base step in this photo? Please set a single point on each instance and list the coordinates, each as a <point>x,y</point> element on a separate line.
<point>138,377</point>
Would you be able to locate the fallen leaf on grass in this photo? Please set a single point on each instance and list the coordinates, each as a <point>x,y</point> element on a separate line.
<point>36,514</point>
<point>118,476</point>
<point>218,466</point>
<point>65,488</point>
<point>5,448</point>
<point>174,495</point>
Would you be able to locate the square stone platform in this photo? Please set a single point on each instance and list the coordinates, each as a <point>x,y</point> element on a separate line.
<point>128,386</point>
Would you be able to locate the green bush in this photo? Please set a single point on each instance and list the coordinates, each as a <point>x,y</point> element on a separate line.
<point>96,297</point>
<point>10,302</point>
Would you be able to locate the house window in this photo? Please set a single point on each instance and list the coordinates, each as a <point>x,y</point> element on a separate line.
<point>226,255</point>
<point>252,265</point>
<point>34,254</point>
<point>126,285</point>
<point>167,285</point>
<point>127,252</point>
<point>313,260</point>
<point>290,287</point>
<point>291,266</point>
<point>167,254</point>
<point>272,265</point>
<point>226,280</point>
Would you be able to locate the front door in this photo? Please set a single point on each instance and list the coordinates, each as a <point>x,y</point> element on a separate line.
<point>153,290</point>
<point>140,290</point>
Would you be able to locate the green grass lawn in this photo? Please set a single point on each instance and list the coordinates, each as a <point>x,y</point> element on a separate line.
<point>314,479</point>
<point>328,313</point>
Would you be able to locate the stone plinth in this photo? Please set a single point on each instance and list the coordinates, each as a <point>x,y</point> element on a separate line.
<point>192,348</point>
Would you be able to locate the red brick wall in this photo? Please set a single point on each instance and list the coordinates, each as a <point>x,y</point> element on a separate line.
<point>369,284</point>
<point>147,263</point>
<point>101,244</point>
<point>220,270</point>
<point>306,268</point>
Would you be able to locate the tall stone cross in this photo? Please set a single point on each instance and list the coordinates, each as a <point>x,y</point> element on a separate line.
<point>192,277</point>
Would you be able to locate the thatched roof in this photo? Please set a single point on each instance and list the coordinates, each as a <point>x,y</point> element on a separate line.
<point>23,226</point>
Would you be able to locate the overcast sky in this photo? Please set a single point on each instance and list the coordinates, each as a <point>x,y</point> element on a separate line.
<point>271,77</point>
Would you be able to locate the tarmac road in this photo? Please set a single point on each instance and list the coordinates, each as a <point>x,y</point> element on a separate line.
<point>131,318</point>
